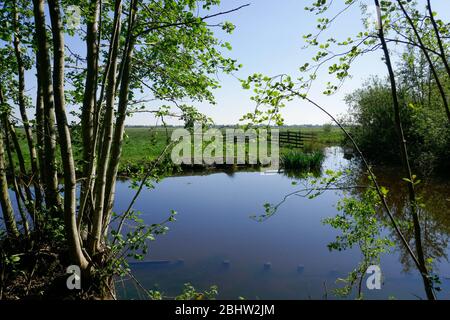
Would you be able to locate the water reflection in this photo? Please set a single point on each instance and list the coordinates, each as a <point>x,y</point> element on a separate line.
<point>433,211</point>
<point>214,241</point>
<point>434,215</point>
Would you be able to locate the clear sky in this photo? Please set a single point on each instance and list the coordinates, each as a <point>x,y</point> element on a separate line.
<point>268,39</point>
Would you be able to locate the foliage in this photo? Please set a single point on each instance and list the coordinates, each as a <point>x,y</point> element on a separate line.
<point>138,54</point>
<point>359,226</point>
<point>327,127</point>
<point>425,127</point>
<point>397,22</point>
<point>189,293</point>
<point>371,120</point>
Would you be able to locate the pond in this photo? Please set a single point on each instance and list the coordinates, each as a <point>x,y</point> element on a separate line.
<point>214,240</point>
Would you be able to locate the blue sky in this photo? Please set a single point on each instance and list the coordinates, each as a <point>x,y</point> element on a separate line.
<point>268,39</point>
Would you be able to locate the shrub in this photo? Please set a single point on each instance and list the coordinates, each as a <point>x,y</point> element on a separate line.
<point>302,161</point>
<point>425,127</point>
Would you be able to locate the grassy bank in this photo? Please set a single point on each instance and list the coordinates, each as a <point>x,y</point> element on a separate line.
<point>143,145</point>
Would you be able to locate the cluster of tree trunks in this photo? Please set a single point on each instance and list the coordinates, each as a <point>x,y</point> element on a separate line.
<point>102,130</point>
<point>46,189</point>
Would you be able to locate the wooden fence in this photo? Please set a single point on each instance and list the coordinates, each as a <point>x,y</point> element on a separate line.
<point>294,139</point>
<point>287,139</point>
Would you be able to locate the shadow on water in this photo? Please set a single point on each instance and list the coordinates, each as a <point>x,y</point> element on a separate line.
<point>215,242</point>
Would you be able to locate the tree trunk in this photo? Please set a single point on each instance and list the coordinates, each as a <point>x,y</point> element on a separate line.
<point>29,200</point>
<point>17,191</point>
<point>439,39</point>
<point>89,103</point>
<point>90,91</point>
<point>52,197</point>
<point>5,201</point>
<point>404,155</point>
<point>40,142</point>
<point>430,62</point>
<point>120,123</point>
<point>105,145</point>
<point>23,113</point>
<point>72,235</point>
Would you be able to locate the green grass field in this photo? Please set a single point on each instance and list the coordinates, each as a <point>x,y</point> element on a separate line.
<point>142,145</point>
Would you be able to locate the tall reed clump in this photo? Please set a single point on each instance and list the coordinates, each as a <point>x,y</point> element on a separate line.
<point>298,160</point>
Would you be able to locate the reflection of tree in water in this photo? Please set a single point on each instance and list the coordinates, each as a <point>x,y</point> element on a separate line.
<point>434,218</point>
<point>435,225</point>
<point>433,195</point>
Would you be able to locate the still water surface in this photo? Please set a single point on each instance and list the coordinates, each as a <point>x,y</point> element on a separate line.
<point>215,242</point>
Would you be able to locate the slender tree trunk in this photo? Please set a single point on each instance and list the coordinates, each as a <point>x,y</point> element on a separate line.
<point>16,187</point>
<point>89,102</point>
<point>87,199</point>
<point>52,197</point>
<point>430,62</point>
<point>9,129</point>
<point>23,113</point>
<point>5,201</point>
<point>439,39</point>
<point>29,200</point>
<point>90,91</point>
<point>72,235</point>
<point>40,142</point>
<point>105,146</point>
<point>121,116</point>
<point>405,160</point>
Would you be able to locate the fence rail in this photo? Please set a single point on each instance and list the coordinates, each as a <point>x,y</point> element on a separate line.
<point>288,139</point>
<point>295,139</point>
